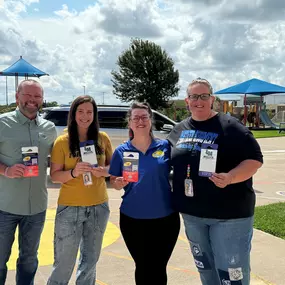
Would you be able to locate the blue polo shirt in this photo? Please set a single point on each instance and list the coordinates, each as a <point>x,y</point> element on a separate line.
<point>150,197</point>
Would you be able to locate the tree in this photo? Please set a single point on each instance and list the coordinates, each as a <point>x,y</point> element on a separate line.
<point>49,104</point>
<point>146,74</point>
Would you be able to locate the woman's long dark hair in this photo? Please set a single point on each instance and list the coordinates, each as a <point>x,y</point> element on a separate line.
<point>93,130</point>
<point>138,105</point>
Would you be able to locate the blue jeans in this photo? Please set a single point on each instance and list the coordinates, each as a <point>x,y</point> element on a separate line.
<point>221,249</point>
<point>76,227</point>
<point>30,229</point>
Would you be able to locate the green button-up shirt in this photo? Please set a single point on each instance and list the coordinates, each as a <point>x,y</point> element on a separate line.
<point>25,195</point>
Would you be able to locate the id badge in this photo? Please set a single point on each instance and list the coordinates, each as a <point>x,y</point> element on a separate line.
<point>30,157</point>
<point>131,166</point>
<point>208,159</point>
<point>88,153</point>
<point>87,179</point>
<point>188,184</point>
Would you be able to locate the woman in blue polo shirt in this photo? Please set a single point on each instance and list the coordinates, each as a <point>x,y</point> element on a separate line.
<point>149,225</point>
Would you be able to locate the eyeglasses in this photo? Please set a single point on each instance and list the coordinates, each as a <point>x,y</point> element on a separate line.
<point>138,118</point>
<point>195,97</point>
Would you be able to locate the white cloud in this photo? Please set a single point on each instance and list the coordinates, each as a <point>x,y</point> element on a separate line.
<point>65,13</point>
<point>224,41</point>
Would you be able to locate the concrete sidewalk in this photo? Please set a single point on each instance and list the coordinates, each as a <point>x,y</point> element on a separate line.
<point>267,258</point>
<point>117,268</point>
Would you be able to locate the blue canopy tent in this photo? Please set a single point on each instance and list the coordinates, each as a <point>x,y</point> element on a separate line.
<point>21,68</point>
<point>254,87</point>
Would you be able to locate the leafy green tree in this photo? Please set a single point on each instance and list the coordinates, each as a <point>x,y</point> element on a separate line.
<point>146,74</point>
<point>50,104</point>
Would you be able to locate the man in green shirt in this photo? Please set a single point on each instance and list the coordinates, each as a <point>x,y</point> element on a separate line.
<point>26,140</point>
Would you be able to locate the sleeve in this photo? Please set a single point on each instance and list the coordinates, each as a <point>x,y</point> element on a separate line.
<point>57,153</point>
<point>174,134</point>
<point>116,164</point>
<point>243,144</point>
<point>54,136</point>
<point>167,146</point>
<point>250,148</point>
<point>108,149</point>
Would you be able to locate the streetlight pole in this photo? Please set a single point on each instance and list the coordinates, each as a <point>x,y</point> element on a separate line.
<point>83,89</point>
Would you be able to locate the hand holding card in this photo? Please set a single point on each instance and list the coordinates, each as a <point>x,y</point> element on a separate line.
<point>30,157</point>
<point>208,159</point>
<point>88,154</point>
<point>131,166</point>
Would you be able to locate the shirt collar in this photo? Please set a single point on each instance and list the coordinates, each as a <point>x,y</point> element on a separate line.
<point>23,119</point>
<point>154,144</point>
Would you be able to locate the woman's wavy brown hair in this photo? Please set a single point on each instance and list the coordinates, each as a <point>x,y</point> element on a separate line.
<point>93,130</point>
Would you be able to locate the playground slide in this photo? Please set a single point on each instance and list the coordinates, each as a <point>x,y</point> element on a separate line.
<point>266,120</point>
<point>279,118</point>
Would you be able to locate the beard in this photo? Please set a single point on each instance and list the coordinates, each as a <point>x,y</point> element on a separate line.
<point>29,110</point>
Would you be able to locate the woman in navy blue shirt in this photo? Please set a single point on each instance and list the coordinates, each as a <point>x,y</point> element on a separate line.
<point>148,223</point>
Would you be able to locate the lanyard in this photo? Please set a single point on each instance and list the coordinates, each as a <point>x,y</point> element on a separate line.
<point>188,171</point>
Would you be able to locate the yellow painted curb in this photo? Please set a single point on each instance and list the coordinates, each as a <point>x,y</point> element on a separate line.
<point>46,246</point>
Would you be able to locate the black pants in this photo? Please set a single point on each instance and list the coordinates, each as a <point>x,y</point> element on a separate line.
<point>150,242</point>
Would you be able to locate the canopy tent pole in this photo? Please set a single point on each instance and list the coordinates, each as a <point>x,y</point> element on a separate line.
<point>16,82</point>
<point>245,110</point>
<point>259,109</point>
<point>7,103</point>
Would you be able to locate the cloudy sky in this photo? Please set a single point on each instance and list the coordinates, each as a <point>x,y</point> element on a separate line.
<point>78,42</point>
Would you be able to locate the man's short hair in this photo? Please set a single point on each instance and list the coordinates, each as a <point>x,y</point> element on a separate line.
<point>20,86</point>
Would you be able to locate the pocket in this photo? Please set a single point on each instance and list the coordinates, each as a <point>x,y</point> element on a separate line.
<point>44,148</point>
<point>102,216</point>
<point>105,206</point>
<point>43,140</point>
<point>66,214</point>
<point>65,222</point>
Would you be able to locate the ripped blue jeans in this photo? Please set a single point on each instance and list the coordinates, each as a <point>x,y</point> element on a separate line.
<point>78,227</point>
<point>221,249</point>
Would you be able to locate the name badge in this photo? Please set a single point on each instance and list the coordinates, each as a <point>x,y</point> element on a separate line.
<point>30,158</point>
<point>88,153</point>
<point>87,178</point>
<point>188,184</point>
<point>208,159</point>
<point>131,166</point>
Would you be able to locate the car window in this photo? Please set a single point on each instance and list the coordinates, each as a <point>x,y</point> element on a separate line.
<point>159,121</point>
<point>59,118</point>
<point>112,119</point>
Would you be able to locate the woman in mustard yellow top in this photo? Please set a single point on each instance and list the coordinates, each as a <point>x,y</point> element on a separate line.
<point>83,210</point>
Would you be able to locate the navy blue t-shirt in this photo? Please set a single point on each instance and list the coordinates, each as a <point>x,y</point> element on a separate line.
<point>235,144</point>
<point>150,197</point>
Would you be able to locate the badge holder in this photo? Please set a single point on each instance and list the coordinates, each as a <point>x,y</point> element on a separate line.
<point>30,157</point>
<point>131,166</point>
<point>87,178</point>
<point>188,184</point>
<point>88,154</point>
<point>208,159</point>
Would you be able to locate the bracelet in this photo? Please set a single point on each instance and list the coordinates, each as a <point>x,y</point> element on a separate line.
<point>6,170</point>
<point>71,172</point>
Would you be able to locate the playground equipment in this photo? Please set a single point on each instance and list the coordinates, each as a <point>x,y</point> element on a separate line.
<point>256,87</point>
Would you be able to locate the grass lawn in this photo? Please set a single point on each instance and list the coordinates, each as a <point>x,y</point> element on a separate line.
<point>267,134</point>
<point>270,219</point>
